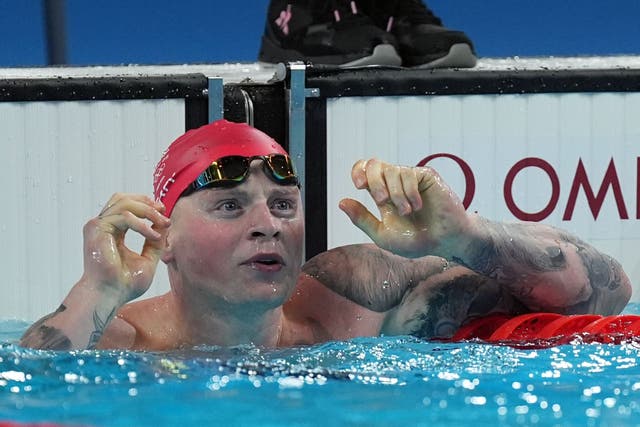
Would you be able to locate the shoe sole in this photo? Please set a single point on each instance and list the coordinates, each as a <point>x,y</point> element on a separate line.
<point>382,54</point>
<point>460,56</point>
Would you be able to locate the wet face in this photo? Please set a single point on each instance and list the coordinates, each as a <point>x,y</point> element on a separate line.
<point>237,245</point>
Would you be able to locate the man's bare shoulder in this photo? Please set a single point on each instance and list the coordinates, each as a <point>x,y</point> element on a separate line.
<point>329,315</point>
<point>142,325</point>
<point>119,334</point>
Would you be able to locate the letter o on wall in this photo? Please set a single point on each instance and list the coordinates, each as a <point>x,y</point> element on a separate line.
<point>469,179</point>
<point>555,189</point>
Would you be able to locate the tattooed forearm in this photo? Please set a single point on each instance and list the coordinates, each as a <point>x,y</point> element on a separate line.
<point>99,326</point>
<point>362,274</point>
<point>447,308</point>
<point>451,302</point>
<point>47,337</point>
<point>370,276</point>
<point>525,256</point>
<point>510,250</point>
<point>610,286</point>
<point>42,336</point>
<point>604,272</point>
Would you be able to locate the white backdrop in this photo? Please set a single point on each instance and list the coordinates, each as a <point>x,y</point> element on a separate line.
<point>61,163</point>
<point>63,160</point>
<point>535,138</point>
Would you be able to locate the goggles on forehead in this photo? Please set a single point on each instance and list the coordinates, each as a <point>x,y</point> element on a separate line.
<point>231,170</point>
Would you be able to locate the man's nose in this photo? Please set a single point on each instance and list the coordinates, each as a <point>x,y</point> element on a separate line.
<point>263,223</point>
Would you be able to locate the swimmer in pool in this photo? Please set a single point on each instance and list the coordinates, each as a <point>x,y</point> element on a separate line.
<point>228,223</point>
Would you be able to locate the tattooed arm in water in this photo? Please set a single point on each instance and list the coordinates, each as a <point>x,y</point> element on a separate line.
<point>549,269</point>
<point>113,275</point>
<point>427,296</point>
<point>456,265</point>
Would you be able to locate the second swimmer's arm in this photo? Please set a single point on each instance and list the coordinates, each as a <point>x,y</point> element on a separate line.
<point>542,267</point>
<point>370,276</point>
<point>547,268</point>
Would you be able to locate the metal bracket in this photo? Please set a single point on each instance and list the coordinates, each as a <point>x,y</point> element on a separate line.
<point>296,109</point>
<point>296,98</point>
<point>248,107</point>
<point>297,95</point>
<point>312,92</point>
<point>216,99</point>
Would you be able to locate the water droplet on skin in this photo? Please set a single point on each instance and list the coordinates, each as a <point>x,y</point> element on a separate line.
<point>358,317</point>
<point>137,273</point>
<point>96,256</point>
<point>386,284</point>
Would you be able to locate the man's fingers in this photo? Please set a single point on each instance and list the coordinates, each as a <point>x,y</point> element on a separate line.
<point>134,212</point>
<point>386,182</point>
<point>359,174</point>
<point>142,206</point>
<point>360,217</point>
<point>129,221</point>
<point>369,175</point>
<point>153,248</point>
<point>399,184</point>
<point>377,184</point>
<point>409,180</point>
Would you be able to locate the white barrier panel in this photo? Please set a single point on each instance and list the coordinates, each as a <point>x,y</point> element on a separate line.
<point>570,159</point>
<point>61,163</point>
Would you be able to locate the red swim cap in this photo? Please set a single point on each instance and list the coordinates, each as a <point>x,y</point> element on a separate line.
<point>190,154</point>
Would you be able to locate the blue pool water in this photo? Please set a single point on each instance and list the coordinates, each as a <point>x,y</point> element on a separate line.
<point>384,381</point>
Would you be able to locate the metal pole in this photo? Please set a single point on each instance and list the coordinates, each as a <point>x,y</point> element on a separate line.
<point>297,127</point>
<point>216,99</point>
<point>56,34</point>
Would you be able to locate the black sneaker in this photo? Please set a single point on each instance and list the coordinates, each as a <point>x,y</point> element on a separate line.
<point>325,32</point>
<point>421,38</point>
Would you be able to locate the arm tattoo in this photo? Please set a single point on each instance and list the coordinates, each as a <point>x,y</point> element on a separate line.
<point>456,300</point>
<point>604,272</point>
<point>99,326</point>
<point>512,249</point>
<point>361,274</point>
<point>370,276</point>
<point>42,336</point>
<point>610,286</point>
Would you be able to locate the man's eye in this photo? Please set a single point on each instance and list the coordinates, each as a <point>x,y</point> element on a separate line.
<point>229,205</point>
<point>283,205</point>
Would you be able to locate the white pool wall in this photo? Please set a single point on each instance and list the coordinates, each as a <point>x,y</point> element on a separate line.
<point>64,159</point>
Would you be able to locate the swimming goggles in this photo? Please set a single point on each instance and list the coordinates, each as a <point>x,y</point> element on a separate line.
<point>231,170</point>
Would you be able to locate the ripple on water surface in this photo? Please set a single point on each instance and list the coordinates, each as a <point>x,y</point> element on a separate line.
<point>364,381</point>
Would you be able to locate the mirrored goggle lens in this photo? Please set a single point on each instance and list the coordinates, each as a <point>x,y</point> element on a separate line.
<point>281,168</point>
<point>234,169</point>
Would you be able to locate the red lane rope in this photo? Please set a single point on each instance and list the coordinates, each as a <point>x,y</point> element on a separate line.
<point>523,327</point>
<point>549,329</point>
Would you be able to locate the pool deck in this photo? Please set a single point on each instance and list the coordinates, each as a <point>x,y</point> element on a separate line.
<point>263,73</point>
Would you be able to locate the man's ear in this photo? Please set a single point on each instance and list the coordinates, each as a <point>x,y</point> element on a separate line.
<point>167,254</point>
